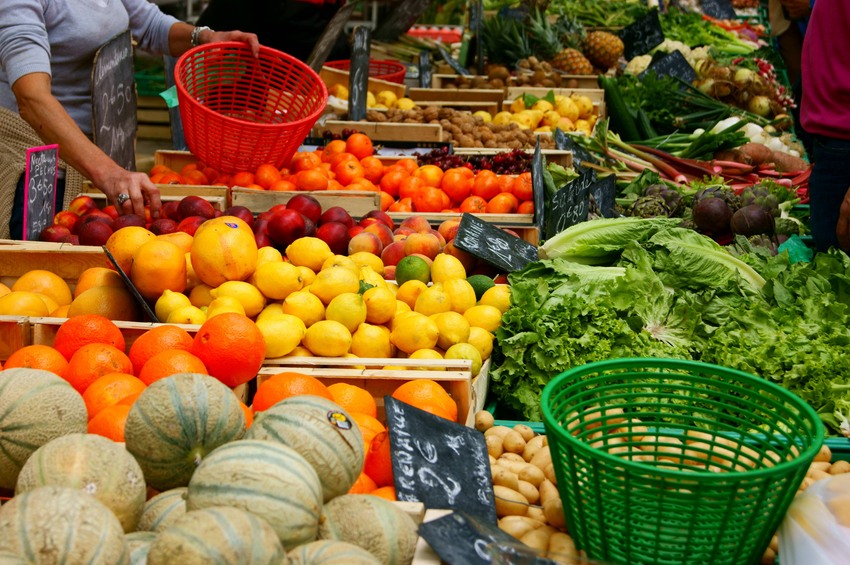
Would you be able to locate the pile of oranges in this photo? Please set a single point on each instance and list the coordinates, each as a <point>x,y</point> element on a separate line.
<point>350,164</point>
<point>377,475</point>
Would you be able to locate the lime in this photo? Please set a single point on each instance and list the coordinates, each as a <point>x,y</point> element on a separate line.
<point>412,268</point>
<point>480,284</point>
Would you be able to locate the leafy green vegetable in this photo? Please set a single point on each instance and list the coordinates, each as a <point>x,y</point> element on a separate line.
<point>600,242</point>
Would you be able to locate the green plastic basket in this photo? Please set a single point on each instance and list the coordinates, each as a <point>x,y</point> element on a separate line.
<point>668,461</point>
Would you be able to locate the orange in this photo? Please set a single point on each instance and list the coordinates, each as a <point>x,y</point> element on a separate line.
<point>502,203</point>
<point>526,207</point>
<point>348,171</point>
<point>429,199</point>
<point>363,485</point>
<point>171,178</point>
<point>195,177</point>
<point>110,389</point>
<point>391,179</point>
<point>285,385</point>
<point>159,169</point>
<point>283,185</point>
<point>92,361</point>
<point>333,148</point>
<point>158,265</point>
<point>378,464</point>
<point>409,186</point>
<point>129,400</point>
<point>457,183</point>
<point>474,204</point>
<point>486,184</point>
<point>359,145</point>
<point>38,357</point>
<point>369,426</point>
<point>81,330</point>
<point>387,200</point>
<point>115,303</point>
<point>97,276</point>
<point>159,338</point>
<point>266,175</point>
<point>387,492</point>
<point>373,169</point>
<point>188,167</point>
<point>431,175</point>
<point>231,347</point>
<point>305,160</point>
<point>46,283</point>
<point>522,187</point>
<point>110,422</point>
<point>310,179</point>
<point>242,178</point>
<point>427,393</point>
<point>249,415</point>
<point>354,399</point>
<point>403,205</point>
<point>408,164</point>
<point>170,362</point>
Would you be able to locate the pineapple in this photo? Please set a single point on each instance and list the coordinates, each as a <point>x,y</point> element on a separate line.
<point>548,40</point>
<point>603,49</point>
<point>572,62</point>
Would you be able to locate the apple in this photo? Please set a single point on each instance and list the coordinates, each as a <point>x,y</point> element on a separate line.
<point>73,239</point>
<point>261,225</point>
<point>169,210</point>
<point>309,227</point>
<point>193,205</point>
<point>94,216</point>
<point>54,233</point>
<point>335,234</point>
<point>94,232</point>
<point>354,230</point>
<point>128,220</point>
<point>286,226</point>
<point>277,208</point>
<point>66,218</point>
<point>82,204</point>
<point>267,215</point>
<point>163,225</point>
<point>307,205</point>
<point>382,216</point>
<point>262,239</point>
<point>337,214</point>
<point>393,253</point>
<point>241,212</point>
<point>191,224</point>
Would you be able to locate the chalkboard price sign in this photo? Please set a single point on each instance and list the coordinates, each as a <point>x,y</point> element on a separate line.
<point>330,36</point>
<point>580,154</point>
<point>113,86</point>
<point>358,74</point>
<point>42,168</point>
<point>672,64</point>
<point>603,193</point>
<point>453,63</point>
<point>720,9</point>
<point>493,245</point>
<point>424,69</point>
<point>403,16</point>
<point>440,463</point>
<point>642,35</point>
<point>538,186</point>
<point>570,205</point>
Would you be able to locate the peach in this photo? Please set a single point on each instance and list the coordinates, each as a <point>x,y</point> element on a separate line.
<point>424,258</point>
<point>193,205</point>
<point>400,237</point>
<point>335,234</point>
<point>307,205</point>
<point>128,220</point>
<point>94,233</point>
<point>365,241</point>
<point>191,224</point>
<point>354,230</point>
<point>111,211</point>
<point>54,233</point>
<point>336,214</point>
<point>368,222</point>
<point>382,216</point>
<point>510,231</point>
<point>384,233</point>
<point>425,244</point>
<point>389,272</point>
<point>405,231</point>
<point>448,229</point>
<point>439,237</point>
<point>82,204</point>
<point>66,218</point>
<point>94,216</point>
<point>416,223</point>
<point>393,253</point>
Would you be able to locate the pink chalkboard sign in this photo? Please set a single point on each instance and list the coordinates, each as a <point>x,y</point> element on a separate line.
<point>42,171</point>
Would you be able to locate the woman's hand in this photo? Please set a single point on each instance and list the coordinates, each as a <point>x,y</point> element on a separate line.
<point>137,186</point>
<point>236,35</point>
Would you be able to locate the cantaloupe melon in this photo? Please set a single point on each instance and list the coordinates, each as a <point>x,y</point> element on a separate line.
<point>139,544</point>
<point>163,510</point>
<point>176,422</point>
<point>322,432</point>
<point>62,525</point>
<point>93,464</point>
<point>36,406</point>
<point>9,558</point>
<point>330,552</point>
<point>373,523</point>
<point>265,478</point>
<point>217,535</point>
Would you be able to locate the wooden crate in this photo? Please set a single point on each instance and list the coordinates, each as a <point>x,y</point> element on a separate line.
<point>332,77</point>
<point>522,224</point>
<point>596,95</point>
<point>446,80</point>
<point>153,118</point>
<point>381,376</point>
<point>356,202</point>
<point>66,260</point>
<point>173,159</point>
<point>14,334</point>
<point>561,156</point>
<point>218,196</point>
<point>385,131</point>
<point>460,99</point>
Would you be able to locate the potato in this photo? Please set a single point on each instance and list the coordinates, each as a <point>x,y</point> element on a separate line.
<point>839,468</point>
<point>509,502</point>
<point>483,420</point>
<point>513,442</point>
<point>525,431</point>
<point>494,446</point>
<point>498,431</point>
<point>825,454</point>
<point>513,457</point>
<point>536,512</point>
<point>542,458</point>
<point>818,475</point>
<point>820,466</point>
<point>769,557</point>
<point>548,491</point>
<point>774,543</point>
<point>562,549</point>
<point>549,473</point>
<point>531,474</point>
<point>553,511</point>
<point>538,538</point>
<point>504,477</point>
<point>807,482</point>
<point>518,526</point>
<point>529,491</point>
<point>491,459</point>
<point>532,446</point>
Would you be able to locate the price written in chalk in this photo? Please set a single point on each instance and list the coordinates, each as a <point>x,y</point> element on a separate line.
<point>114,120</point>
<point>40,176</point>
<point>493,245</point>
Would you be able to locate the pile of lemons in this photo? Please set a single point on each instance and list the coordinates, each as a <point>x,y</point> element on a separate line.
<point>382,100</point>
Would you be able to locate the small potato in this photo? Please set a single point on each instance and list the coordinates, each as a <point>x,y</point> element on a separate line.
<point>807,482</point>
<point>532,474</point>
<point>839,468</point>
<point>562,549</point>
<point>553,511</point>
<point>514,457</point>
<point>548,491</point>
<point>769,557</point>
<point>525,431</point>
<point>818,475</point>
<point>536,512</point>
<point>529,491</point>
<point>518,526</point>
<point>498,431</point>
<point>483,420</point>
<point>825,454</point>
<point>505,478</point>
<point>542,458</point>
<point>513,442</point>
<point>538,539</point>
<point>492,460</point>
<point>494,446</point>
<point>692,436</point>
<point>820,466</point>
<point>509,502</point>
<point>532,446</point>
<point>549,473</point>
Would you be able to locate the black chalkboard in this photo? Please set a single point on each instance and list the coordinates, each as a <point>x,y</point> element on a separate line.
<point>453,63</point>
<point>132,288</point>
<point>424,69</point>
<point>113,88</point>
<point>580,154</point>
<point>672,64</point>
<point>570,205</point>
<point>439,463</point>
<point>720,9</point>
<point>329,37</point>
<point>358,74</point>
<point>402,17</point>
<point>538,186</point>
<point>460,539</point>
<point>603,192</point>
<point>642,35</point>
<point>493,245</point>
<point>42,168</point>
<point>476,25</point>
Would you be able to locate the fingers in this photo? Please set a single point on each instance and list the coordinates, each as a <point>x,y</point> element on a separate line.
<point>131,193</point>
<point>153,199</point>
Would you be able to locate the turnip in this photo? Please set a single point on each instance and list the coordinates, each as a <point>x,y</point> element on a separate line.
<point>759,105</point>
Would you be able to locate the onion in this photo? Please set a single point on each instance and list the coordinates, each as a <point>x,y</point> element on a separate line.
<point>759,105</point>
<point>743,77</point>
<point>706,86</point>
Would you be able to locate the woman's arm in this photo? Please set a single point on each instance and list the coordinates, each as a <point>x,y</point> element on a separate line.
<point>180,38</point>
<point>49,119</point>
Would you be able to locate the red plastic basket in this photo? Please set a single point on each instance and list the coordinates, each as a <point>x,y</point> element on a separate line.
<point>239,112</point>
<point>391,71</point>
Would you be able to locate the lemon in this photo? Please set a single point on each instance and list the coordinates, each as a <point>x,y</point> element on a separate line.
<point>49,303</point>
<point>22,303</point>
<point>447,267</point>
<point>380,305</point>
<point>392,286</point>
<point>307,275</point>
<point>405,103</point>
<point>371,341</point>
<point>348,308</point>
<point>282,333</point>
<point>308,252</point>
<point>333,282</point>
<point>426,354</point>
<point>371,101</point>
<point>224,304</point>
<point>366,259</point>
<point>370,278</point>
<point>268,253</point>
<point>466,351</point>
<point>4,290</point>
<point>498,296</point>
<point>305,306</point>
<point>412,331</point>
<point>412,268</point>
<point>482,340</point>
<point>461,294</point>
<point>453,328</point>
<point>339,261</point>
<point>484,115</point>
<point>484,316</point>
<point>277,280</point>
<point>401,307</point>
<point>353,356</point>
<point>186,315</point>
<point>339,91</point>
<point>249,295</point>
<point>200,295</point>
<point>408,292</point>
<point>270,311</point>
<point>387,97</point>
<point>169,301</point>
<point>327,338</point>
<point>433,300</point>
<point>300,351</point>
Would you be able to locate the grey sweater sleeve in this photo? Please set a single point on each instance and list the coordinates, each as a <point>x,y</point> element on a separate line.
<point>149,25</point>
<point>24,47</point>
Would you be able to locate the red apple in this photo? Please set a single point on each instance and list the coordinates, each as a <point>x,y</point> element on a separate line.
<point>193,205</point>
<point>94,216</point>
<point>66,218</point>
<point>382,216</point>
<point>241,212</point>
<point>169,210</point>
<point>94,233</point>
<point>309,227</point>
<point>262,239</point>
<point>163,225</point>
<point>286,226</point>
<point>261,225</point>
<point>335,235</point>
<point>191,224</point>
<point>354,230</point>
<point>307,205</point>
<point>81,204</point>
<point>54,233</point>
<point>128,220</point>
<point>336,214</point>
<point>267,215</point>
<point>73,239</point>
<point>217,213</point>
<point>277,208</point>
